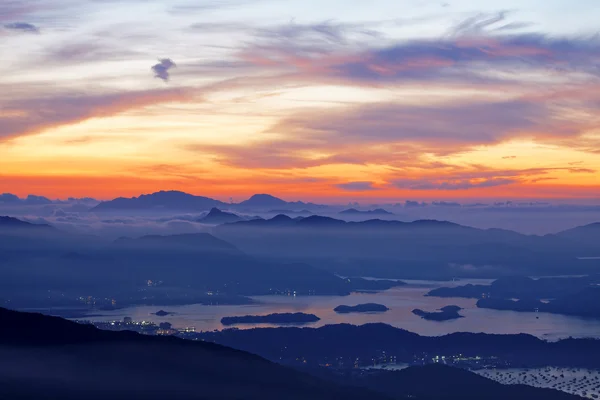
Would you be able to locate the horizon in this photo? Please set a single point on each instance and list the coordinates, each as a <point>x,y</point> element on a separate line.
<point>349,202</point>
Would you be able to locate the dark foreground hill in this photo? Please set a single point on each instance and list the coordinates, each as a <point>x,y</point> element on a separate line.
<point>45,357</point>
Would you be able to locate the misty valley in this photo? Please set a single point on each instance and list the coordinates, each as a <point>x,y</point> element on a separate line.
<point>344,298</point>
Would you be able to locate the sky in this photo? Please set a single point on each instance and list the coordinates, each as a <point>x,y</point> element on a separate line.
<point>329,100</point>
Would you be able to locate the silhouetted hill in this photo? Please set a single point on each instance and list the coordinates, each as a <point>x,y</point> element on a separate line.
<point>366,342</point>
<point>263,201</point>
<point>521,287</point>
<point>276,318</point>
<point>354,211</point>
<point>12,225</point>
<point>445,314</point>
<point>589,234</point>
<point>585,303</point>
<point>287,212</point>
<point>154,270</point>
<point>361,308</point>
<point>160,201</point>
<point>45,357</point>
<point>578,296</point>
<point>419,249</point>
<point>216,216</point>
<point>198,242</point>
<point>31,200</point>
<point>267,201</point>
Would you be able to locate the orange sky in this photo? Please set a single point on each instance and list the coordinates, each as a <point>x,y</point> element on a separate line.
<point>309,110</point>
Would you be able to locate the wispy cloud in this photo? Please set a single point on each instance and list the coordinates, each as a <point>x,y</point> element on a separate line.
<point>356,186</point>
<point>28,116</point>
<point>450,184</point>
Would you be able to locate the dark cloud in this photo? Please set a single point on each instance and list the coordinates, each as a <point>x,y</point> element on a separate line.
<point>161,70</point>
<point>356,186</point>
<point>22,27</point>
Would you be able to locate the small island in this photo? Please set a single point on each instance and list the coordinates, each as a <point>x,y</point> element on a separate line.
<point>361,308</point>
<point>445,314</point>
<point>284,318</point>
<point>163,313</point>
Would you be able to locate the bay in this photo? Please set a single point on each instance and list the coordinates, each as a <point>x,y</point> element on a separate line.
<point>401,301</point>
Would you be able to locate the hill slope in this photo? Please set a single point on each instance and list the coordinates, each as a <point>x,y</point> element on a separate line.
<point>45,357</point>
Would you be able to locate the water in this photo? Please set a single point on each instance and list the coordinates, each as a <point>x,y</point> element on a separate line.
<point>401,301</point>
<point>578,381</point>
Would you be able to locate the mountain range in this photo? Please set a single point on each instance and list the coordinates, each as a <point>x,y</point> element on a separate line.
<point>180,201</point>
<point>418,249</point>
<point>188,266</point>
<point>377,211</point>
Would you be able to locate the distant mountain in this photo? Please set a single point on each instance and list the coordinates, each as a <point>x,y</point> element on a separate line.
<point>13,224</point>
<point>377,211</point>
<point>45,357</point>
<point>288,212</point>
<point>9,198</point>
<point>394,249</point>
<point>180,201</point>
<point>160,201</point>
<point>216,216</point>
<point>588,234</point>
<point>263,201</point>
<point>198,242</point>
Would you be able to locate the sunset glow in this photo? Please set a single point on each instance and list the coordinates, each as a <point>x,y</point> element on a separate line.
<point>383,100</point>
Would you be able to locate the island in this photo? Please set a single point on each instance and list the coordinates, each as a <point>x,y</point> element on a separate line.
<point>361,308</point>
<point>444,314</point>
<point>282,318</point>
<point>163,313</point>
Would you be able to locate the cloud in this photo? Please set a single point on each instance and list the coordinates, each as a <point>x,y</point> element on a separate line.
<point>161,70</point>
<point>10,10</point>
<point>474,52</point>
<point>33,115</point>
<point>356,186</point>
<point>451,184</point>
<point>22,27</point>
<point>473,177</point>
<point>440,128</point>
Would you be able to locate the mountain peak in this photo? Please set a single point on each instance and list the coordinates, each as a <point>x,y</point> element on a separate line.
<point>10,222</point>
<point>263,200</point>
<point>163,200</point>
<point>216,216</point>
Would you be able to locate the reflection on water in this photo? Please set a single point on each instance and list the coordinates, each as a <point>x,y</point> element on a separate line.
<point>401,301</point>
